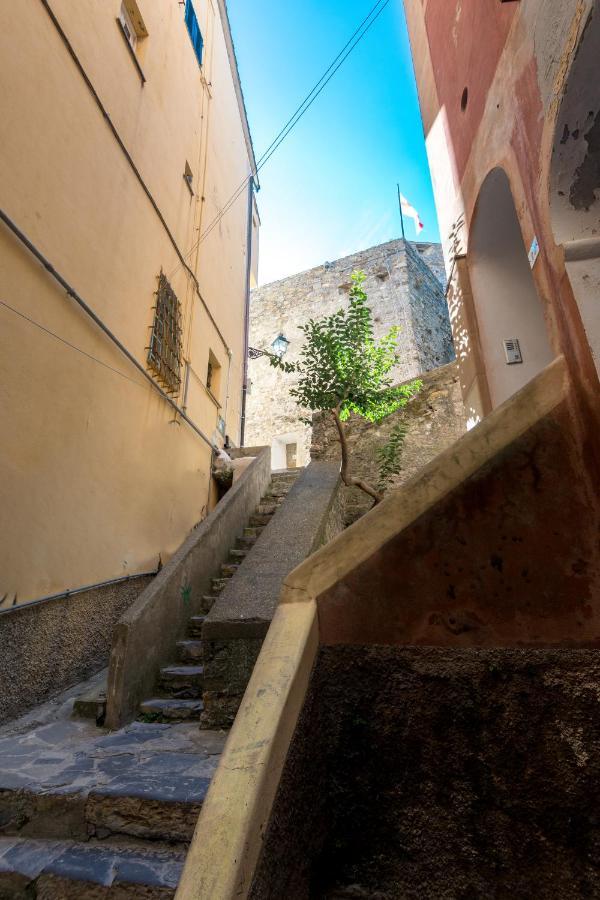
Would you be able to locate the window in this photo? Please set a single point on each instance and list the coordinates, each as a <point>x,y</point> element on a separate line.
<point>127,26</point>
<point>131,26</point>
<point>291,456</point>
<point>164,352</point>
<point>194,30</point>
<point>213,376</point>
<point>131,22</point>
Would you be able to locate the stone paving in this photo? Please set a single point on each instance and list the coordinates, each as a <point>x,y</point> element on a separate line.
<point>47,750</point>
<point>81,804</point>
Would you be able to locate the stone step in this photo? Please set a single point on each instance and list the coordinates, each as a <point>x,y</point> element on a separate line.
<point>74,783</point>
<point>92,704</point>
<point>196,623</point>
<point>169,708</point>
<point>219,584</point>
<point>68,870</point>
<point>275,501</point>
<point>228,570</point>
<point>182,682</point>
<point>208,601</point>
<point>278,492</point>
<point>245,543</point>
<point>266,509</point>
<point>190,650</point>
<point>257,521</point>
<point>238,555</point>
<point>253,533</point>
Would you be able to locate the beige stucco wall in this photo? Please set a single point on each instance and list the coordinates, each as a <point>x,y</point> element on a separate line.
<point>97,479</point>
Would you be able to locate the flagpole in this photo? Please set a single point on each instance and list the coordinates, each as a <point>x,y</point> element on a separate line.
<point>401,216</point>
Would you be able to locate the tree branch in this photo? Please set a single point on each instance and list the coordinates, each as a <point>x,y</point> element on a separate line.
<point>348,479</point>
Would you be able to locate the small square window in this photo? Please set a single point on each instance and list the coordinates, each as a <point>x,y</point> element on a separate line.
<point>193,28</point>
<point>131,22</point>
<point>213,376</point>
<point>127,26</point>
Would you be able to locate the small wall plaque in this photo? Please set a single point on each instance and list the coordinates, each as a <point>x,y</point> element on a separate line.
<point>512,351</point>
<point>534,252</point>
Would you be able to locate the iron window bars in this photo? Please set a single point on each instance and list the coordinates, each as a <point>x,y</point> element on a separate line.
<point>164,352</point>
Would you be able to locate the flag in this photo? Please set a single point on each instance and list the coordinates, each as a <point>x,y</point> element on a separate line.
<point>411,213</point>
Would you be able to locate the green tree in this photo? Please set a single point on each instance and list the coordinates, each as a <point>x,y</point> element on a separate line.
<point>344,370</point>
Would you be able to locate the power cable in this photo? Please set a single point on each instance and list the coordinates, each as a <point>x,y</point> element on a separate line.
<point>306,104</point>
<point>68,343</point>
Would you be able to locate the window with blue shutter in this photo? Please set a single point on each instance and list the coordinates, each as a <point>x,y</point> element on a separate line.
<point>194,30</point>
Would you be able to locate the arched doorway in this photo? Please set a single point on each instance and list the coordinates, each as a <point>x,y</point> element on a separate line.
<point>506,304</point>
<point>575,178</point>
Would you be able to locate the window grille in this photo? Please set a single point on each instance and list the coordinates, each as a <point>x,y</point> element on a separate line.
<point>164,352</point>
<point>194,30</point>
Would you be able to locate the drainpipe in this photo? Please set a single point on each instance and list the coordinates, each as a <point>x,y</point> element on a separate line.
<point>247,309</point>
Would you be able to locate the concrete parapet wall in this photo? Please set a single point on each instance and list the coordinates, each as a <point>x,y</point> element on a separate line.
<point>296,531</point>
<point>434,772</point>
<point>238,622</point>
<point>516,482</point>
<point>46,647</point>
<point>145,636</point>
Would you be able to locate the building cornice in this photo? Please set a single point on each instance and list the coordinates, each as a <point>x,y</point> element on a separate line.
<point>222,4</point>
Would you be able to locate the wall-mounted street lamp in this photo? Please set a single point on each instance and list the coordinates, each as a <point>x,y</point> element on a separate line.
<point>280,346</point>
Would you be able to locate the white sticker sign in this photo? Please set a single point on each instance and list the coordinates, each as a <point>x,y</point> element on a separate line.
<point>534,252</point>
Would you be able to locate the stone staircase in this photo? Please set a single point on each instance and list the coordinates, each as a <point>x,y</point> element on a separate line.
<point>181,684</point>
<point>86,813</point>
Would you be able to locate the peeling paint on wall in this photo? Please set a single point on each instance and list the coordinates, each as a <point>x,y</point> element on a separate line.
<point>587,175</point>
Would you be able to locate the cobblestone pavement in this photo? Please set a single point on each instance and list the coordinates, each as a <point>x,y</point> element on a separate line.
<point>47,750</point>
<point>83,809</point>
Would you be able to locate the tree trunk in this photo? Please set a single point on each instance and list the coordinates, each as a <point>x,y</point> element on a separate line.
<point>350,480</point>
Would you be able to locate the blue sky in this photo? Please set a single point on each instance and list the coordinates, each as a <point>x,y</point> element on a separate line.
<point>330,190</point>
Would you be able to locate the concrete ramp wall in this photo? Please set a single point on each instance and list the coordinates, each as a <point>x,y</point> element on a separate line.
<point>494,544</point>
<point>145,637</point>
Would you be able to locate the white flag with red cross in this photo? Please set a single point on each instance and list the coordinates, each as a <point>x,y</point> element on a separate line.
<point>410,212</point>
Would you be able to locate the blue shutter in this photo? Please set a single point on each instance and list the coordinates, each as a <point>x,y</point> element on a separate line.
<point>194,30</point>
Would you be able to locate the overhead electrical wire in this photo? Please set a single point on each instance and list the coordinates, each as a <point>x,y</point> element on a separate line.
<point>68,343</point>
<point>302,109</point>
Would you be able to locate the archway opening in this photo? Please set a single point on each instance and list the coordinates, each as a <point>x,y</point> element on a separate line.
<point>575,178</point>
<point>512,332</point>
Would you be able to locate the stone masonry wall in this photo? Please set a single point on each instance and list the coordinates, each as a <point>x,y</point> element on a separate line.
<point>434,418</point>
<point>405,285</point>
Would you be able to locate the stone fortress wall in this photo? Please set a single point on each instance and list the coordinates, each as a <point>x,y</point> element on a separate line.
<point>434,419</point>
<point>405,285</point>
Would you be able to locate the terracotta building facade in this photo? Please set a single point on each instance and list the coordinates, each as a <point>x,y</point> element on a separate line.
<point>511,110</point>
<point>405,285</point>
<point>122,323</point>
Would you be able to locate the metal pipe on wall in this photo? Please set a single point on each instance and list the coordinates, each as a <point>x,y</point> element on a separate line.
<point>71,292</point>
<point>247,307</point>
